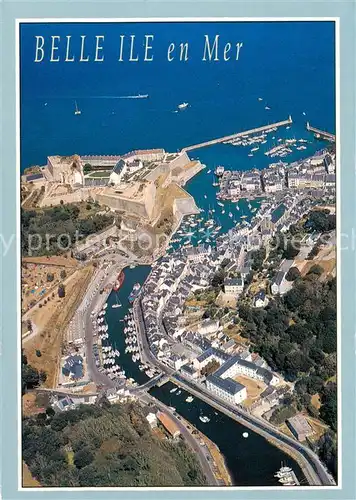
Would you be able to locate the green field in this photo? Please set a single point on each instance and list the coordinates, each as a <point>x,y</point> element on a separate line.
<point>99,173</point>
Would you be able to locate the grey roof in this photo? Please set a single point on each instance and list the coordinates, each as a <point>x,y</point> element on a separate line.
<point>233,282</point>
<point>266,374</point>
<point>278,213</point>
<point>278,278</point>
<point>229,385</point>
<point>188,369</point>
<point>230,362</point>
<point>299,424</point>
<point>119,166</point>
<point>212,352</point>
<point>67,401</point>
<point>327,160</point>
<point>267,392</point>
<point>34,177</point>
<point>229,343</point>
<point>318,177</point>
<point>260,295</point>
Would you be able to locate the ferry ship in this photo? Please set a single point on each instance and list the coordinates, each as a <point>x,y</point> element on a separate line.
<point>119,281</point>
<point>135,291</point>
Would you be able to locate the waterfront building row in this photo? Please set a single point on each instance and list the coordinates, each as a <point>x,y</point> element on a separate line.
<point>317,172</point>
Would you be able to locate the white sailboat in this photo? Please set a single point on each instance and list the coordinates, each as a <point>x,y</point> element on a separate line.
<point>118,304</point>
<point>77,110</point>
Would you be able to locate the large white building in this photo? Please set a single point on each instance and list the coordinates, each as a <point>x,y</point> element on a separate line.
<point>237,366</point>
<point>272,186</point>
<point>122,167</point>
<point>199,253</point>
<point>227,389</point>
<point>276,285</point>
<point>222,382</point>
<point>233,286</point>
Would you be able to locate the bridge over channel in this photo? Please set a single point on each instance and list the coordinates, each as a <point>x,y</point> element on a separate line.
<point>239,134</point>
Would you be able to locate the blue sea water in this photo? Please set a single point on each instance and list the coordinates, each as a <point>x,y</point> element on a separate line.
<point>290,65</point>
<point>116,323</point>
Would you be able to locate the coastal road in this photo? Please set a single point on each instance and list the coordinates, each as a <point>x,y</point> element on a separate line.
<point>314,470</point>
<point>201,452</point>
<point>92,301</point>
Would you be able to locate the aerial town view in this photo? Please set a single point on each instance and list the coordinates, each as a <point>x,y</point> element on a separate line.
<point>178,272</point>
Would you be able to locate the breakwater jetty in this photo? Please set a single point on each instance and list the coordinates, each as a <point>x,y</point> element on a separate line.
<point>239,134</point>
<point>320,133</point>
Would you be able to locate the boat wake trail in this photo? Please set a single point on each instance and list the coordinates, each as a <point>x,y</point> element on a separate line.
<point>139,96</point>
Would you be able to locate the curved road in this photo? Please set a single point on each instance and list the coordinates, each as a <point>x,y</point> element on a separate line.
<point>314,469</point>
<point>201,452</point>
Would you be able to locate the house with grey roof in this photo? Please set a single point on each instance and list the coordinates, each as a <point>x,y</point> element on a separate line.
<point>275,287</point>
<point>118,172</point>
<point>299,427</point>
<point>227,389</point>
<point>260,299</point>
<point>233,286</point>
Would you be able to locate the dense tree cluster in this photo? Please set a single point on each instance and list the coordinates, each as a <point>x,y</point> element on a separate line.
<point>258,257</point>
<point>285,246</point>
<point>320,221</point>
<point>296,335</point>
<point>292,274</point>
<point>56,230</point>
<point>327,448</point>
<point>31,377</point>
<point>87,168</point>
<point>211,367</point>
<point>281,414</point>
<point>314,251</point>
<point>104,446</point>
<point>328,409</point>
